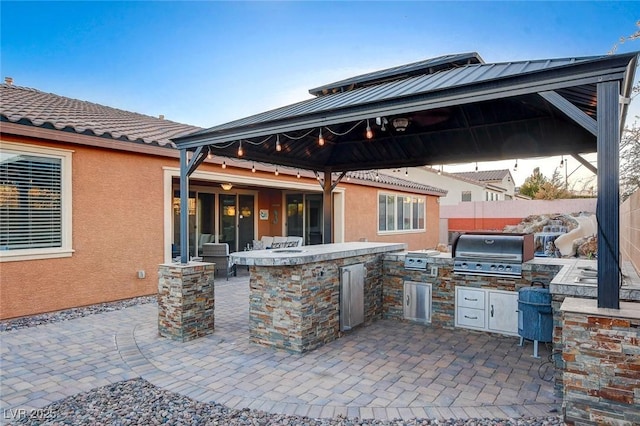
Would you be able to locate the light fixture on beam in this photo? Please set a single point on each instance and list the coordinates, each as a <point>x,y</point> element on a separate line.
<point>400,124</point>
<point>276,172</point>
<point>226,186</point>
<point>240,151</point>
<point>278,146</point>
<point>320,138</point>
<point>253,168</point>
<point>298,175</point>
<point>224,164</point>
<point>209,154</point>
<point>369,132</point>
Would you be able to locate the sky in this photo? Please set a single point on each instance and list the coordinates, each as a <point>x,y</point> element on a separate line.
<point>209,62</point>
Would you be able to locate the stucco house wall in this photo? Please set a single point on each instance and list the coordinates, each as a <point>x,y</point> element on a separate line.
<point>121,221</point>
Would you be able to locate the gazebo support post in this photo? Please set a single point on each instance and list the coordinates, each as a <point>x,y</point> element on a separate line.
<point>327,208</point>
<point>608,207</point>
<point>184,208</point>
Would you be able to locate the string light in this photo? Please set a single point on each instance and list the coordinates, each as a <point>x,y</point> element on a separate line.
<point>253,167</point>
<point>406,171</point>
<point>369,132</point>
<point>320,138</point>
<point>209,154</point>
<point>240,151</point>
<point>278,146</point>
<point>476,166</point>
<point>224,164</point>
<point>377,175</point>
<point>562,162</point>
<point>276,172</point>
<point>440,170</point>
<point>515,168</point>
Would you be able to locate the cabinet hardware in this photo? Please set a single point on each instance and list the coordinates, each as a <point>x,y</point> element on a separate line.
<point>471,300</point>
<point>468,317</point>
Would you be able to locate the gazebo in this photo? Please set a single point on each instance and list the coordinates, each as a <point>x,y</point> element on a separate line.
<point>453,108</point>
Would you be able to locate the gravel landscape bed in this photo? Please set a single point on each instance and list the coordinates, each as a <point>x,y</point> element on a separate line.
<point>73,313</point>
<point>138,402</point>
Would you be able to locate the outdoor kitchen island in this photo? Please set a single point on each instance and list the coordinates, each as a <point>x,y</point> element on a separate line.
<point>301,298</point>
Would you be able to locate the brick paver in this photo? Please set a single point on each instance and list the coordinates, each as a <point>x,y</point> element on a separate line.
<point>386,369</point>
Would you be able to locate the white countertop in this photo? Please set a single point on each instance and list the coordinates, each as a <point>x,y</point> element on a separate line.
<point>313,253</point>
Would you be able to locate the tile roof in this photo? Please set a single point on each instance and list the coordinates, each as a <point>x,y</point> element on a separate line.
<point>485,175</point>
<point>40,109</point>
<point>383,179</point>
<point>33,107</point>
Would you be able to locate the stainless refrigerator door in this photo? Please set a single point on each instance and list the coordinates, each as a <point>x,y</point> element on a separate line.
<point>417,301</point>
<point>351,296</point>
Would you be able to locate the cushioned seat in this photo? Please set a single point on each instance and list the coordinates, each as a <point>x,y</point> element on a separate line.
<point>218,253</point>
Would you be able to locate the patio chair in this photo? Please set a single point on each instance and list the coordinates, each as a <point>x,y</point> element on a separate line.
<point>218,253</point>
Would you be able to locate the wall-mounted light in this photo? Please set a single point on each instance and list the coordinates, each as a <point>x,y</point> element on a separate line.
<point>400,124</point>
<point>240,151</point>
<point>320,138</point>
<point>369,132</point>
<point>226,186</point>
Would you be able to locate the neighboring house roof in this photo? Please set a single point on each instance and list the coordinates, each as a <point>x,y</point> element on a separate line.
<point>485,175</point>
<point>33,107</point>
<point>386,181</point>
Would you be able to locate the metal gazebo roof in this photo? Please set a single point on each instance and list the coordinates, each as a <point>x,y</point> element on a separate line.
<point>453,108</point>
<point>459,110</point>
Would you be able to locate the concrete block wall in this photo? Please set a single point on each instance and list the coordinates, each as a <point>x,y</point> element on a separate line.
<point>186,300</point>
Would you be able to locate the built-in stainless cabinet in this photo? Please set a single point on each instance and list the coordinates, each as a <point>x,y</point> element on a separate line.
<point>417,301</point>
<point>351,296</point>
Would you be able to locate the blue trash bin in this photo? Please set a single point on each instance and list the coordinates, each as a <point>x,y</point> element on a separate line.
<point>535,317</point>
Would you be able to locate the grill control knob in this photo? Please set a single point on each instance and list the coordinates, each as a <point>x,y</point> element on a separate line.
<point>507,268</point>
<point>478,266</point>
<point>501,268</point>
<point>493,267</point>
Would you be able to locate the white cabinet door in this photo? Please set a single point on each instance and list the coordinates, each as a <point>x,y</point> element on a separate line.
<point>503,312</point>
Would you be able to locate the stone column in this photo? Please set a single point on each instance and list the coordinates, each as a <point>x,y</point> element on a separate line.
<point>186,300</point>
<point>601,351</point>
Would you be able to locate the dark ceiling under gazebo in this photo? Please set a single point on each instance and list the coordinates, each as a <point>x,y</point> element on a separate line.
<point>450,109</point>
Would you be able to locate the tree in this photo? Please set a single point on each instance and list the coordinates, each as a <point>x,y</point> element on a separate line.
<point>533,183</point>
<point>630,161</point>
<point>553,189</point>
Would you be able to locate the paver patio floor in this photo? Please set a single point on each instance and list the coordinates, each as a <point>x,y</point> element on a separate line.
<point>387,369</point>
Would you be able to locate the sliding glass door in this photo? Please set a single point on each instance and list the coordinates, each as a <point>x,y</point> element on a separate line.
<point>304,217</point>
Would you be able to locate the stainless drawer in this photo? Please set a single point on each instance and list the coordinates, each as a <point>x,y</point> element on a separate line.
<point>469,317</point>
<point>470,298</point>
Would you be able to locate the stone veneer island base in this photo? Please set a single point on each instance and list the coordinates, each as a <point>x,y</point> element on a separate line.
<point>295,293</point>
<point>186,300</point>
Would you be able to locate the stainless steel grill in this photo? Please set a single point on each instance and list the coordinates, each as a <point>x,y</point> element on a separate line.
<point>492,254</point>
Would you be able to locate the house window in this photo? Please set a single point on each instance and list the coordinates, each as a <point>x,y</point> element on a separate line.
<point>400,213</point>
<point>466,195</point>
<point>35,202</point>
